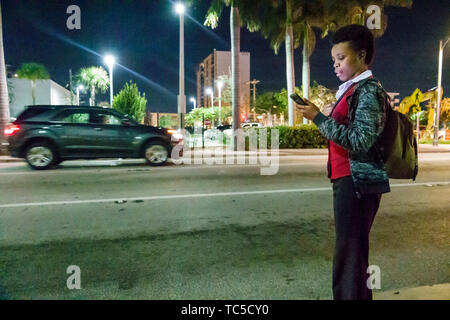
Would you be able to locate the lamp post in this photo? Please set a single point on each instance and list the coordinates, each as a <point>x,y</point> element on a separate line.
<point>210,91</point>
<point>193,101</point>
<point>80,87</point>
<point>110,60</point>
<point>219,87</point>
<point>438,106</point>
<point>179,9</point>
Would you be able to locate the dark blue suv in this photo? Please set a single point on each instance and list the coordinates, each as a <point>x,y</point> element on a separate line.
<point>47,135</point>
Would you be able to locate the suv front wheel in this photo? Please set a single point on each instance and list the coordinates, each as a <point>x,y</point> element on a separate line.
<point>156,153</point>
<point>40,155</point>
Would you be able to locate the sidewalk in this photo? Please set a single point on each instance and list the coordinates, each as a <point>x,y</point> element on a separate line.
<point>434,292</point>
<point>5,159</point>
<point>423,148</point>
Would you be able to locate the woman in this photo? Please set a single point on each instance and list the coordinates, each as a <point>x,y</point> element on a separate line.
<point>354,167</point>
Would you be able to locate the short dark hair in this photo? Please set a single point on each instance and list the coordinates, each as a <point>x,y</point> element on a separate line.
<point>360,39</point>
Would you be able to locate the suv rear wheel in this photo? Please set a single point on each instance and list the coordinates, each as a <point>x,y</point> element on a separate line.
<point>156,153</point>
<point>40,155</point>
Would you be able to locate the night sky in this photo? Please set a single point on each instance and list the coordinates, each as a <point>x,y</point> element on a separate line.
<point>144,36</point>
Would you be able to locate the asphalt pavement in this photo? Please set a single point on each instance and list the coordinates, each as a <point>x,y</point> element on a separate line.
<point>210,231</point>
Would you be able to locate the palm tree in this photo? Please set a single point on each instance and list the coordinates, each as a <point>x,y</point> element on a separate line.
<point>296,26</point>
<point>290,70</point>
<point>283,21</point>
<point>4,98</point>
<point>33,71</point>
<point>95,78</point>
<point>292,22</point>
<point>212,17</point>
<point>328,15</point>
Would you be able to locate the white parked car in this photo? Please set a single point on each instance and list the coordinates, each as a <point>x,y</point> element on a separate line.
<point>212,134</point>
<point>251,125</point>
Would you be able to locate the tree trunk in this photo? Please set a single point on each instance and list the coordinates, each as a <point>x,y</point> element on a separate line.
<point>290,71</point>
<point>92,96</point>
<point>33,91</point>
<point>4,98</point>
<point>306,67</point>
<point>148,118</point>
<point>235,69</point>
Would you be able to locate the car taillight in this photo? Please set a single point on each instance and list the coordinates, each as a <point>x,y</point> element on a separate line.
<point>12,129</point>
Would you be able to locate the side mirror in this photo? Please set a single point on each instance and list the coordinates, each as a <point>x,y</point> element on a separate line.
<point>126,122</point>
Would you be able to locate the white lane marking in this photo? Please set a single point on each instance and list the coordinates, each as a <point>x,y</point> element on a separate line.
<point>201,195</point>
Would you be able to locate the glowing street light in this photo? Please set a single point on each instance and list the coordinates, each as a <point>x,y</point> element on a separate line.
<point>209,91</point>
<point>180,9</point>
<point>110,61</point>
<point>193,101</point>
<point>79,88</point>
<point>219,87</point>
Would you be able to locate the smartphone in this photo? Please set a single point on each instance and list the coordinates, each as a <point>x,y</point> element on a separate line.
<point>297,99</point>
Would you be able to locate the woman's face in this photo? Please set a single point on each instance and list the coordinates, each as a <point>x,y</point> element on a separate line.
<point>348,64</point>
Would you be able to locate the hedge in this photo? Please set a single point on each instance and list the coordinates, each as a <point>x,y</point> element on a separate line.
<point>298,137</point>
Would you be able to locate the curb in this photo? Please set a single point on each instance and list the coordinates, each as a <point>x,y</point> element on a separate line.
<point>6,158</point>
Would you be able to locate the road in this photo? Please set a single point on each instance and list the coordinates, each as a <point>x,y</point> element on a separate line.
<point>206,231</point>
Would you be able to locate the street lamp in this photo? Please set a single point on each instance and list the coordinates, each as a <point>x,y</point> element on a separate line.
<point>438,106</point>
<point>193,101</point>
<point>80,87</point>
<point>210,92</point>
<point>110,60</point>
<point>219,87</point>
<point>180,9</point>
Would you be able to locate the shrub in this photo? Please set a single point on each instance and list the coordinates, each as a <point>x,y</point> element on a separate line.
<point>298,137</point>
<point>130,101</point>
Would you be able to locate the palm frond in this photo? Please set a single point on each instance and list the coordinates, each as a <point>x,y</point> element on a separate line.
<point>213,14</point>
<point>33,71</point>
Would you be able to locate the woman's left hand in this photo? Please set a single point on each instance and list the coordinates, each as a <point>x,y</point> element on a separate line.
<point>309,111</point>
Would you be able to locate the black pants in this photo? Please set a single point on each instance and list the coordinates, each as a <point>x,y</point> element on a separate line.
<point>353,219</point>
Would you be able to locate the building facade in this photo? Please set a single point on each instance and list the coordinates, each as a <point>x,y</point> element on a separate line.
<point>47,92</point>
<point>218,64</point>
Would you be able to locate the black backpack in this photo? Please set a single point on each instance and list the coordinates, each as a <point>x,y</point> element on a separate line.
<point>397,145</point>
